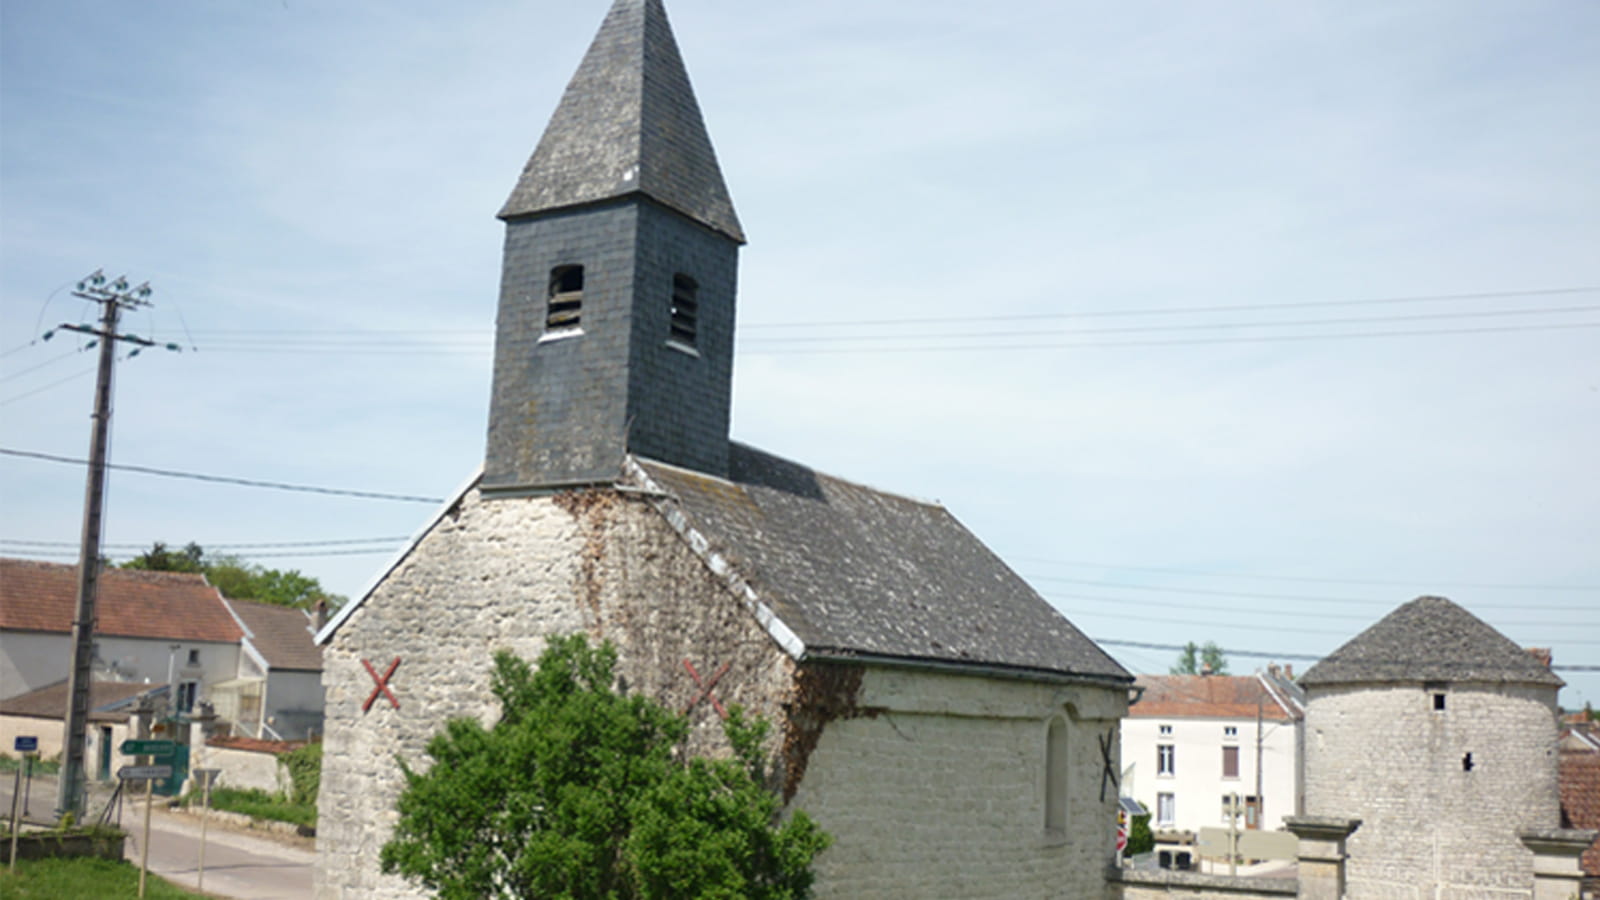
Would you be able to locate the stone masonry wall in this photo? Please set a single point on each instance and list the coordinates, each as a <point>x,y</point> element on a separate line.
<point>936,789</point>
<point>504,574</point>
<point>1430,827</point>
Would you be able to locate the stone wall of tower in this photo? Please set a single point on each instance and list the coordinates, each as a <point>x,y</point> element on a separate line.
<point>1431,828</point>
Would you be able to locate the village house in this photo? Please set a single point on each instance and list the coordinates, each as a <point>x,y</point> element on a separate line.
<point>1192,740</point>
<point>954,733</point>
<point>256,662</point>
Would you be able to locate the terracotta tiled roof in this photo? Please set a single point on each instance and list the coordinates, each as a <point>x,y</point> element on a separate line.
<point>281,634</point>
<point>1580,800</point>
<point>42,596</point>
<point>254,744</point>
<point>1207,696</point>
<point>50,701</point>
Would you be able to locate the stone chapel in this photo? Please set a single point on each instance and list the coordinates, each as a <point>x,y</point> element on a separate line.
<point>954,733</point>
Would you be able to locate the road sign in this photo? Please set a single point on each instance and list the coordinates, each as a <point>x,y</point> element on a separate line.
<point>148,748</point>
<point>25,743</point>
<point>130,772</point>
<point>206,777</point>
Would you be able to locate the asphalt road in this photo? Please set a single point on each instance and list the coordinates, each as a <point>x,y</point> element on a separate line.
<point>238,865</point>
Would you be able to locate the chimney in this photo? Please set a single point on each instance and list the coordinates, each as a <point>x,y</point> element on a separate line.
<point>1542,654</point>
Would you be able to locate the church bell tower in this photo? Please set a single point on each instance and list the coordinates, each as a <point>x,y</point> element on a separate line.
<point>615,328</point>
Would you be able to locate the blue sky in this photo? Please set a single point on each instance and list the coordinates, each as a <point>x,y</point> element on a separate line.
<point>1085,273</point>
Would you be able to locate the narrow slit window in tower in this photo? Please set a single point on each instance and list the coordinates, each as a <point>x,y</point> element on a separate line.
<point>1438,702</point>
<point>685,309</point>
<point>565,302</point>
<point>1466,763</point>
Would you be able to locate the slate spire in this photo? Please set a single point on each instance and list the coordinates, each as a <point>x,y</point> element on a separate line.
<point>628,123</point>
<point>618,283</point>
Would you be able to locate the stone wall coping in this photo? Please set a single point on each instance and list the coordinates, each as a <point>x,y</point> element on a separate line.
<point>1321,828</point>
<point>1558,841</point>
<point>1244,886</point>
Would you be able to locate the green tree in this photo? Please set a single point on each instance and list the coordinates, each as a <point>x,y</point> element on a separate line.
<point>238,579</point>
<point>1194,659</point>
<point>577,792</point>
<point>1140,839</point>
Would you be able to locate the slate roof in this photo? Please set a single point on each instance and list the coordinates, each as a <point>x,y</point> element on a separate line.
<point>628,123</point>
<point>43,596</point>
<point>1430,639</point>
<point>855,572</point>
<point>1209,697</point>
<point>109,701</point>
<point>280,634</point>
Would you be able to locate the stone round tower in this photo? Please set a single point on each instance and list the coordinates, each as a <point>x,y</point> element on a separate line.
<point>1438,733</point>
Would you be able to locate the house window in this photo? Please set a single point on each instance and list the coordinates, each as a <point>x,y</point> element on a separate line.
<point>1230,762</point>
<point>564,303</point>
<point>685,310</point>
<point>1165,730</point>
<point>1166,762</point>
<point>187,690</point>
<point>194,657</point>
<point>1230,731</point>
<point>1055,776</point>
<point>1438,702</point>
<point>1166,809</point>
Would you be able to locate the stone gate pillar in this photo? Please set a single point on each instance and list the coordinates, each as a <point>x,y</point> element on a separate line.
<point>1557,870</point>
<point>1322,854</point>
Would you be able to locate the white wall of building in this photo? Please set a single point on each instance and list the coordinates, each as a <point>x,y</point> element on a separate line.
<point>1196,783</point>
<point>29,659</point>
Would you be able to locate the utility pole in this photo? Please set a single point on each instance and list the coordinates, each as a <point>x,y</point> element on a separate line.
<point>1261,800</point>
<point>113,298</point>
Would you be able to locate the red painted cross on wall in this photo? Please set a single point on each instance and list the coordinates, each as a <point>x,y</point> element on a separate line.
<point>705,688</point>
<point>382,683</point>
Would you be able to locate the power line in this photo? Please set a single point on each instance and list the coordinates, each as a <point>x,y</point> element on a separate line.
<point>42,389</point>
<point>1256,626</point>
<point>1204,592</point>
<point>1314,580</point>
<point>223,479</point>
<point>1180,342</point>
<point>34,368</point>
<point>231,546</point>
<point>1199,326</point>
<point>1301,614</point>
<point>1266,654</point>
<point>1177,310</point>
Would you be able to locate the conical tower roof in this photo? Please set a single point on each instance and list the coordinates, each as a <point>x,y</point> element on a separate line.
<point>628,123</point>
<point>1430,639</point>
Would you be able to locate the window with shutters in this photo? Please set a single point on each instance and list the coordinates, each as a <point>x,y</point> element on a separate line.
<point>564,302</point>
<point>1230,762</point>
<point>685,310</point>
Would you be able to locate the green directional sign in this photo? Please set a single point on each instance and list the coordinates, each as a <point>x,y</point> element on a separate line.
<point>133,747</point>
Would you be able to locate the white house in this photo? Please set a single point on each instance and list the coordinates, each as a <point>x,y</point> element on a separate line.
<point>1190,741</point>
<point>256,661</point>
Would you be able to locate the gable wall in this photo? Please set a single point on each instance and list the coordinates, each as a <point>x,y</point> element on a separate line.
<point>503,574</point>
<point>936,789</point>
<point>1380,753</point>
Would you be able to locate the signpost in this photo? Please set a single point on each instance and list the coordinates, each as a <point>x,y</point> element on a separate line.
<point>207,777</point>
<point>138,747</point>
<point>26,744</point>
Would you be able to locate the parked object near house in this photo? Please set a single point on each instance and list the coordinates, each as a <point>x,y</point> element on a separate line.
<point>1192,740</point>
<point>1438,733</point>
<point>951,730</point>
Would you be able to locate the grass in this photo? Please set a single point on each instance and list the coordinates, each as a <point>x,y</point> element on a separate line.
<point>259,803</point>
<point>83,879</point>
<point>9,763</point>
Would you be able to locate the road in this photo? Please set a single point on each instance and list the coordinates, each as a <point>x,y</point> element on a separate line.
<point>238,865</point>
